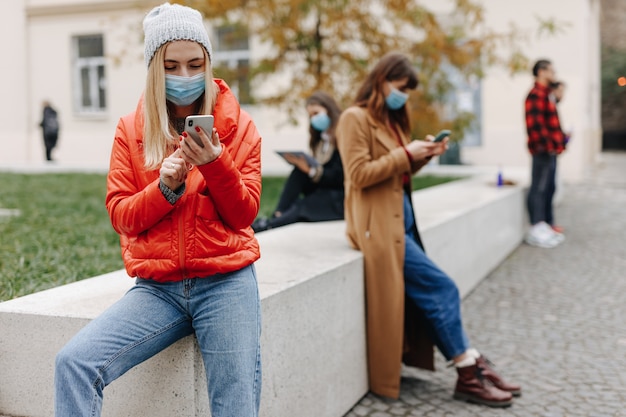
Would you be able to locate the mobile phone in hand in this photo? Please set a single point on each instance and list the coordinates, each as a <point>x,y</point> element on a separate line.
<point>205,121</point>
<point>441,135</point>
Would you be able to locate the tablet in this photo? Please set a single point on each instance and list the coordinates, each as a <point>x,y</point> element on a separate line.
<point>312,161</point>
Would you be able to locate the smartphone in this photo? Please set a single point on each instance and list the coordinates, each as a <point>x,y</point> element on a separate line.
<point>205,121</point>
<point>441,135</point>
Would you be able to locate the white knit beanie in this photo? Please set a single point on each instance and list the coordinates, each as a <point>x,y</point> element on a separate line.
<point>173,22</point>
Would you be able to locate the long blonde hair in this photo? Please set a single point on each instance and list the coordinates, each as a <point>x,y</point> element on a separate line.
<point>159,134</point>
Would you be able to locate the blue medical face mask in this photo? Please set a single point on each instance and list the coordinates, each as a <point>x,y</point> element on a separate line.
<point>320,121</point>
<point>396,99</point>
<point>183,91</point>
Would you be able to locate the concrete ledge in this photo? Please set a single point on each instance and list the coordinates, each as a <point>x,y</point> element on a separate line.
<point>470,226</point>
<point>313,325</point>
<point>313,341</point>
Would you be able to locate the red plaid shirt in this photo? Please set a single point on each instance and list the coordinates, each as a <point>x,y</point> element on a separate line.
<point>542,122</point>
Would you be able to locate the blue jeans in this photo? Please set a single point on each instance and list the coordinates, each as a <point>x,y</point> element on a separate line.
<point>222,310</point>
<point>433,292</point>
<point>542,188</point>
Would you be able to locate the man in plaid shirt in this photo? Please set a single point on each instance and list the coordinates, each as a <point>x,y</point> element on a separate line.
<point>546,140</point>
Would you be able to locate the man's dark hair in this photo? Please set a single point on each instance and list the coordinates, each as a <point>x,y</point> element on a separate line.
<point>540,65</point>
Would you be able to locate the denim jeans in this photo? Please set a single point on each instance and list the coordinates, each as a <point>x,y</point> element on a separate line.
<point>433,292</point>
<point>542,188</point>
<point>222,310</point>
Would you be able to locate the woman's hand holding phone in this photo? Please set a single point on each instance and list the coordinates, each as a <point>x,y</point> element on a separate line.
<point>424,150</point>
<point>197,155</point>
<point>198,148</point>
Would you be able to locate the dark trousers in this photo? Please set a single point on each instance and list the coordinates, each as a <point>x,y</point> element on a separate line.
<point>50,141</point>
<point>297,183</point>
<point>303,200</point>
<point>542,188</point>
<point>289,203</point>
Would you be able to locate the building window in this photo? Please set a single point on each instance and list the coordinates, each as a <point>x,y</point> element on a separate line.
<point>231,60</point>
<point>469,100</point>
<point>464,99</point>
<point>89,74</point>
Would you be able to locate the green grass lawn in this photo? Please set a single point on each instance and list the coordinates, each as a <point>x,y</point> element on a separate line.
<point>63,233</point>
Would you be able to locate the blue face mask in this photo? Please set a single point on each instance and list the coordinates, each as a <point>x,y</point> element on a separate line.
<point>396,99</point>
<point>320,121</point>
<point>183,91</point>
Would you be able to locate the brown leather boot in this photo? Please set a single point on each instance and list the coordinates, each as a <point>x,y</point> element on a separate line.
<point>472,386</point>
<point>488,372</point>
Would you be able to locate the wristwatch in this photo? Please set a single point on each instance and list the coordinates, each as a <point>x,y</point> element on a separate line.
<point>312,172</point>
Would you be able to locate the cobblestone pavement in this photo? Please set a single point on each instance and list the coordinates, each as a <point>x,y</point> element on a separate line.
<point>551,319</point>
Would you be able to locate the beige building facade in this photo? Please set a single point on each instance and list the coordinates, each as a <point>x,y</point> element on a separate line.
<point>575,53</point>
<point>86,58</point>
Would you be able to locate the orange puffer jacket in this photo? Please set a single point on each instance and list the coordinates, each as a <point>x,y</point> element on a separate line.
<point>207,231</point>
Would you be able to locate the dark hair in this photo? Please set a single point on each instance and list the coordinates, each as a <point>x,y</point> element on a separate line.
<point>332,108</point>
<point>391,67</point>
<point>540,65</point>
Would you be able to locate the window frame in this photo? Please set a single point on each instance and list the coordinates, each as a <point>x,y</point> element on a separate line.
<point>96,76</point>
<point>232,60</point>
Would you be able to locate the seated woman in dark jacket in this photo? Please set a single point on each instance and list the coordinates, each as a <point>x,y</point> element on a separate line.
<point>312,193</point>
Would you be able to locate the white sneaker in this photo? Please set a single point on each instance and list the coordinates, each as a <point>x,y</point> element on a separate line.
<point>560,237</point>
<point>542,236</point>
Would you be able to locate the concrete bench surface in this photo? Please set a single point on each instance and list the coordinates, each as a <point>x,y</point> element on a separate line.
<point>312,295</point>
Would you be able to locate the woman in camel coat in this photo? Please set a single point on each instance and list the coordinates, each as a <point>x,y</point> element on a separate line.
<point>379,158</point>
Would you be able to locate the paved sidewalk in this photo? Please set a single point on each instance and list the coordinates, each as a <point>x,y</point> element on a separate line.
<point>551,319</point>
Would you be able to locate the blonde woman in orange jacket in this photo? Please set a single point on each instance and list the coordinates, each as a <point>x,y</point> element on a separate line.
<point>183,212</point>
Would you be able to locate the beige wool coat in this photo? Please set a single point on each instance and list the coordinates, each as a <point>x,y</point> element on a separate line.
<point>374,164</point>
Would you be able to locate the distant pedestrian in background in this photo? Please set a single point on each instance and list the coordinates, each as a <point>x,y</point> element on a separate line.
<point>546,141</point>
<point>50,125</point>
